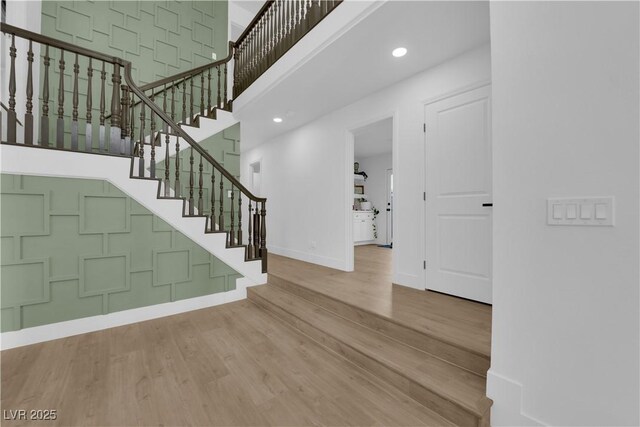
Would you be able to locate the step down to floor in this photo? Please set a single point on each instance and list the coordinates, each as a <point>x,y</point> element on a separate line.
<point>432,342</point>
<point>453,392</point>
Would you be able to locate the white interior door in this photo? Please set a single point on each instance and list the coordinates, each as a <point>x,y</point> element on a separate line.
<point>458,184</point>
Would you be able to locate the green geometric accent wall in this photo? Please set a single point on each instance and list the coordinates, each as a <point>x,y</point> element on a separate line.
<point>160,38</point>
<point>72,248</point>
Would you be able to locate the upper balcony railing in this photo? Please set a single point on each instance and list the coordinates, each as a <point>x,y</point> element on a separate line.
<point>275,29</point>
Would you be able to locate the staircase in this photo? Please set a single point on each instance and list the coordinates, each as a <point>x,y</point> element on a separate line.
<point>143,139</point>
<point>446,378</point>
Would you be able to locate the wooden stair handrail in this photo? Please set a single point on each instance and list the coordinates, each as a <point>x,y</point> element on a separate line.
<point>165,118</point>
<point>68,47</point>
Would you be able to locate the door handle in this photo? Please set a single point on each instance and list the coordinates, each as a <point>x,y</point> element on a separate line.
<point>487,205</point>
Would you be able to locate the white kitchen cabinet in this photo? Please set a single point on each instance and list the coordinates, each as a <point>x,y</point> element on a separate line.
<point>363,226</point>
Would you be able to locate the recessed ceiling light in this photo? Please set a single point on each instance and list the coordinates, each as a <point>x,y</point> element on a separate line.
<point>277,119</point>
<point>399,51</point>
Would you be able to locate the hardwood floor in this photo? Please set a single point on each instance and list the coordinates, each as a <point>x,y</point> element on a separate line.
<point>228,365</point>
<point>369,287</point>
<point>370,353</point>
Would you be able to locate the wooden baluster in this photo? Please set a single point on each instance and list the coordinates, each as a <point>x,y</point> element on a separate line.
<point>191,116</point>
<point>125,136</point>
<point>28,116</point>
<point>191,182</point>
<point>132,124</point>
<point>103,76</point>
<point>274,32</point>
<point>263,236</point>
<point>260,46</point>
<point>276,29</point>
<point>236,69</point>
<point>219,89</point>
<point>44,120</point>
<point>74,111</point>
<point>202,94</point>
<point>249,75</point>
<point>213,199</point>
<point>209,92</point>
<point>249,235</point>
<point>88,128</point>
<point>177,191</point>
<point>141,143</point>
<point>167,167</point>
<point>231,233</point>
<point>184,101</point>
<point>166,151</point>
<point>12,118</point>
<point>221,217</point>
<point>200,189</point>
<point>239,241</point>
<point>115,143</point>
<point>173,102</point>
<point>152,140</point>
<point>60,127</point>
<point>255,219</point>
<point>164,108</point>
<point>226,97</point>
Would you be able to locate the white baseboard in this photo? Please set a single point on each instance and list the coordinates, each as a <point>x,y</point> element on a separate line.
<point>338,264</point>
<point>507,408</point>
<point>84,325</point>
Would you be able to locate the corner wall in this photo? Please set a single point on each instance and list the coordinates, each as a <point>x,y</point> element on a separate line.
<point>307,173</point>
<point>565,345</point>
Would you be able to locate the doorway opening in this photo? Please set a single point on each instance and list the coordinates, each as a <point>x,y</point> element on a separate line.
<point>372,209</point>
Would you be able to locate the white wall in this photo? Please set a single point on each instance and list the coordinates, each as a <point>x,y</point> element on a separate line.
<point>307,173</point>
<point>565,123</point>
<point>376,188</point>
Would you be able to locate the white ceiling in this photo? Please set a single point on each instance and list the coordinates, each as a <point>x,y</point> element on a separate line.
<point>373,139</point>
<point>360,62</point>
<point>251,6</point>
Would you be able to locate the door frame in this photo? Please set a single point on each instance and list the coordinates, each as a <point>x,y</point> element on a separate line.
<point>425,104</point>
<point>389,214</point>
<point>348,179</point>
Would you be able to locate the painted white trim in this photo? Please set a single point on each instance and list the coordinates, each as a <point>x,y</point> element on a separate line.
<point>350,159</point>
<point>508,408</point>
<point>84,325</point>
<point>336,263</point>
<point>116,170</point>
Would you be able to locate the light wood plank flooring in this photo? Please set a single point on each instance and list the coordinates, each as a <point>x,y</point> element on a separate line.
<point>370,287</point>
<point>228,365</point>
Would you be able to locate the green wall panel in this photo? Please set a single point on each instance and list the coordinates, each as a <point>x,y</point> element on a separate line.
<point>160,38</point>
<point>85,248</point>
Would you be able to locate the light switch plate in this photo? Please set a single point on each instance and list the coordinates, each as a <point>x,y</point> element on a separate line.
<point>585,211</point>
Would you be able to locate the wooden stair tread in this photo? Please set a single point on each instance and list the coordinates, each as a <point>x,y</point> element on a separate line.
<point>422,312</point>
<point>449,381</point>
